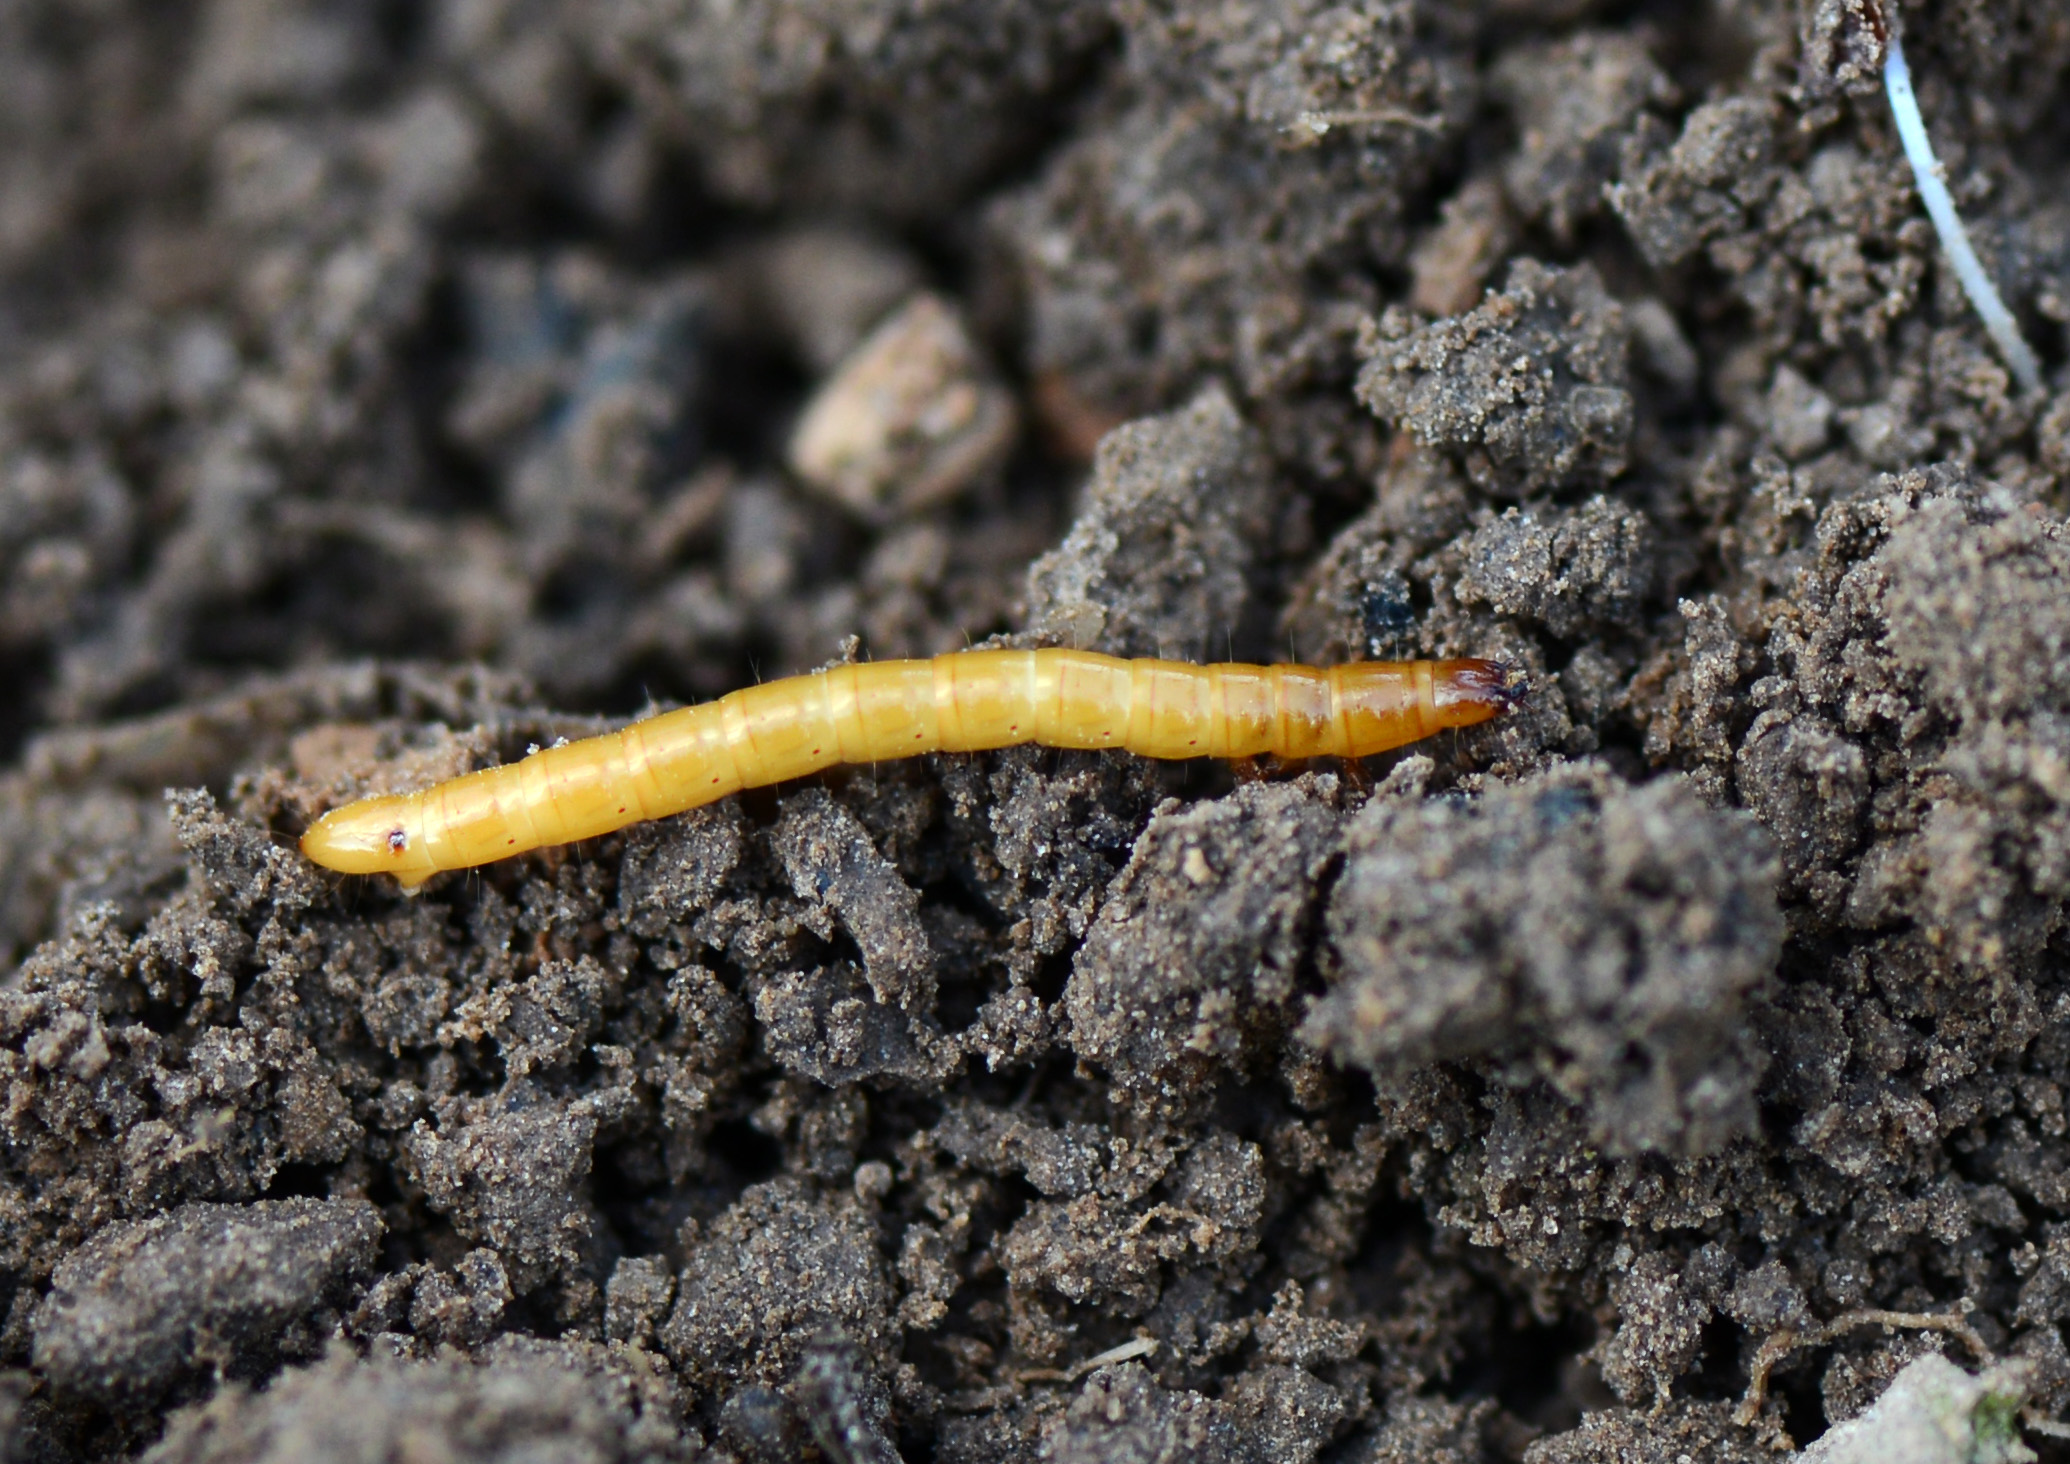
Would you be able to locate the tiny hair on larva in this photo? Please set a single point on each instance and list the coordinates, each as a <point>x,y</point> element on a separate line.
<point>966,701</point>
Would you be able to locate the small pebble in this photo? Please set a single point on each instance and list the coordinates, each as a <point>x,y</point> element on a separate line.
<point>912,418</point>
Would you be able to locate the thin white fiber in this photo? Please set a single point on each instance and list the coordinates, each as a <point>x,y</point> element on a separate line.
<point>1940,206</point>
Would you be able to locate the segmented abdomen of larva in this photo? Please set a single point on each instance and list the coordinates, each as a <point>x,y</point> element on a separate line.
<point>965,702</point>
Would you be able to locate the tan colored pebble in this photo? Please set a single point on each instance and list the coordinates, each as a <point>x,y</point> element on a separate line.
<point>1450,266</point>
<point>909,420</point>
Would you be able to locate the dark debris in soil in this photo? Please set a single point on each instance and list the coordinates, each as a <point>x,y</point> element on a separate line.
<point>387,388</point>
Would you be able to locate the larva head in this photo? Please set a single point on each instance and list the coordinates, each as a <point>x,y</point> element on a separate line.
<point>372,836</point>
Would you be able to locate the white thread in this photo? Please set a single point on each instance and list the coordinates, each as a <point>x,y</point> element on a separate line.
<point>1940,207</point>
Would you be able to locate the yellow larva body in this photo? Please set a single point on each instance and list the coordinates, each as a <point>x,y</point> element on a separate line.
<point>965,702</point>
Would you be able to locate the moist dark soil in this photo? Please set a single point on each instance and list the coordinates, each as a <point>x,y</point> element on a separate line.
<point>387,388</point>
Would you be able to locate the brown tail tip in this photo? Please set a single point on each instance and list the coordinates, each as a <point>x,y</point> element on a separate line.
<point>1494,684</point>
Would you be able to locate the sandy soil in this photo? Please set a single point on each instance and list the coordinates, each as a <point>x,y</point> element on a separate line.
<point>385,388</point>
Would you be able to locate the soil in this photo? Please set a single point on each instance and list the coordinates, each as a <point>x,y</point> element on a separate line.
<point>386,388</point>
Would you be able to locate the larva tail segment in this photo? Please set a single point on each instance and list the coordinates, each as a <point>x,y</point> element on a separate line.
<point>1381,705</point>
<point>1488,687</point>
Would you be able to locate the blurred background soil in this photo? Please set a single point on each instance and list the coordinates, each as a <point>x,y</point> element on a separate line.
<point>388,387</point>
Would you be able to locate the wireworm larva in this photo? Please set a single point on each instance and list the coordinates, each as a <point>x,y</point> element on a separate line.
<point>968,701</point>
